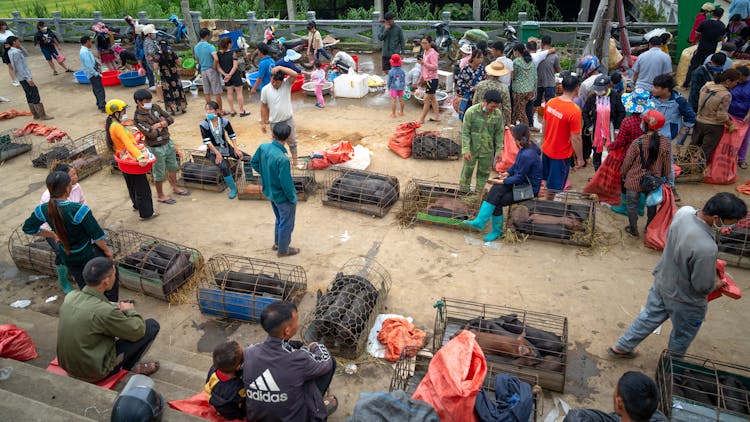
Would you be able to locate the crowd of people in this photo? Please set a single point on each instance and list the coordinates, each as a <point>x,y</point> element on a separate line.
<point>284,379</point>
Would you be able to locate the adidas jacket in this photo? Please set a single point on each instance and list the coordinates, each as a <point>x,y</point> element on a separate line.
<point>279,381</point>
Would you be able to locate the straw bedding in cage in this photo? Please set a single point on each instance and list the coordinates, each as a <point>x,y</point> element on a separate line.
<point>155,266</point>
<point>88,154</point>
<point>570,218</point>
<point>533,343</point>
<point>44,153</point>
<point>240,287</point>
<point>198,172</point>
<point>436,145</point>
<point>413,363</point>
<point>12,145</point>
<point>734,244</point>
<point>692,162</point>
<point>437,203</point>
<point>361,191</point>
<point>249,183</point>
<point>346,312</point>
<point>694,388</point>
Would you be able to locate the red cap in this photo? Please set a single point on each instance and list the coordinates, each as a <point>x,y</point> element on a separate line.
<point>654,119</point>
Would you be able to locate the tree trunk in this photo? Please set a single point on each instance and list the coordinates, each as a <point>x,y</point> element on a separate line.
<point>185,9</point>
<point>261,8</point>
<point>597,33</point>
<point>291,9</point>
<point>379,7</point>
<point>477,10</point>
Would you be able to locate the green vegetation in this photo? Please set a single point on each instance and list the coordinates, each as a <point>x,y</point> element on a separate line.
<point>650,14</point>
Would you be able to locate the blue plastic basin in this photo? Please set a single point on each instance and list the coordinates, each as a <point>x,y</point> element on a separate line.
<point>81,77</point>
<point>131,79</point>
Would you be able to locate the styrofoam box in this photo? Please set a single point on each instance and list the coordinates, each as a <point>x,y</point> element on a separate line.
<point>447,78</point>
<point>351,86</point>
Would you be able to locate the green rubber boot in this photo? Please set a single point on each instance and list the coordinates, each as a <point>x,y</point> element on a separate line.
<point>232,187</point>
<point>484,214</point>
<point>497,229</point>
<point>62,276</point>
<point>642,204</point>
<point>621,209</point>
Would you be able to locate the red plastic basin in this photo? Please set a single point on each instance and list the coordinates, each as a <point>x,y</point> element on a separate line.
<point>297,86</point>
<point>132,167</point>
<point>110,78</point>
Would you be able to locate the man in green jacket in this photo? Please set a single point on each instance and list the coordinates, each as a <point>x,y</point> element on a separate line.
<point>271,162</point>
<point>393,41</point>
<point>95,337</point>
<point>482,137</point>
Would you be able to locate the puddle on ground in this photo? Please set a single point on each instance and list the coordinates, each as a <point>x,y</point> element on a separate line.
<point>215,332</point>
<point>582,366</point>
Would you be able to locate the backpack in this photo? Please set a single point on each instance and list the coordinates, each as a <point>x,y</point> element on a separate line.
<point>397,79</point>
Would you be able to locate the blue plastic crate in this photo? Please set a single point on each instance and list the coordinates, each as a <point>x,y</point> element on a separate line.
<point>242,306</point>
<point>234,36</point>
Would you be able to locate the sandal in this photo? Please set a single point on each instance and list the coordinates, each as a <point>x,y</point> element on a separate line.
<point>169,201</point>
<point>621,355</point>
<point>244,114</point>
<point>146,368</point>
<point>55,73</point>
<point>275,247</point>
<point>68,71</point>
<point>331,403</point>
<point>631,231</point>
<point>743,164</point>
<point>291,251</point>
<point>151,217</point>
<point>234,113</point>
<point>183,192</point>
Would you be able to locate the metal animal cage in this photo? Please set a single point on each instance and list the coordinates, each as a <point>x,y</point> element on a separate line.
<point>155,266</point>
<point>240,288</point>
<point>543,352</point>
<point>44,153</point>
<point>346,312</point>
<point>198,172</point>
<point>249,183</point>
<point>694,388</point>
<point>361,191</point>
<point>692,163</point>
<point>570,218</point>
<point>413,363</point>
<point>437,145</point>
<point>12,145</point>
<point>438,203</point>
<point>734,244</point>
<point>88,155</point>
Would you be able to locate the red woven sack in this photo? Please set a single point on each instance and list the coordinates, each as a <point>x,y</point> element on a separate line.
<point>198,405</point>
<point>722,170</point>
<point>508,156</point>
<point>402,139</point>
<point>340,152</point>
<point>15,343</point>
<point>656,233</point>
<point>730,289</point>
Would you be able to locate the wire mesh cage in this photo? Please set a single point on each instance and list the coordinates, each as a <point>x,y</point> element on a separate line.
<point>155,266</point>
<point>533,343</point>
<point>437,145</point>
<point>692,163</point>
<point>347,310</point>
<point>570,218</point>
<point>88,155</point>
<point>734,244</point>
<point>249,183</point>
<point>240,288</point>
<point>360,191</point>
<point>694,388</point>
<point>198,172</point>
<point>12,145</point>
<point>44,153</point>
<point>413,363</point>
<point>438,203</point>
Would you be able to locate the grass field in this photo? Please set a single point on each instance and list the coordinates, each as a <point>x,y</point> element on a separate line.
<point>25,6</point>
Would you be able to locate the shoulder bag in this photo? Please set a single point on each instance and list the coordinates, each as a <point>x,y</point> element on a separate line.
<point>649,182</point>
<point>523,192</point>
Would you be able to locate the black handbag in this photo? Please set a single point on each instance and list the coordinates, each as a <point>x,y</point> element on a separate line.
<point>523,192</point>
<point>649,182</point>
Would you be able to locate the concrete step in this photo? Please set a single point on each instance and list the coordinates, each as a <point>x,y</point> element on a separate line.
<point>17,407</point>
<point>169,390</point>
<point>75,396</point>
<point>179,375</point>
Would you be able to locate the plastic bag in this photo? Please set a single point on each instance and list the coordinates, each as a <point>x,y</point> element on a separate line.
<point>398,333</point>
<point>655,197</point>
<point>508,156</point>
<point>722,170</point>
<point>360,159</point>
<point>730,289</point>
<point>454,378</point>
<point>402,139</point>
<point>656,233</point>
<point>606,183</point>
<point>198,405</point>
<point>339,152</point>
<point>16,343</point>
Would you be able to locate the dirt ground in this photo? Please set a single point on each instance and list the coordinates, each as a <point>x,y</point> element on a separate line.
<point>600,289</point>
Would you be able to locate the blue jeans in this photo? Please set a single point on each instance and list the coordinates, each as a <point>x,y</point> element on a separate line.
<point>285,213</point>
<point>149,72</point>
<point>686,321</point>
<point>546,92</point>
<point>324,53</point>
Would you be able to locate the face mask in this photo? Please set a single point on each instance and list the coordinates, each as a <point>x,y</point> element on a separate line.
<point>715,68</point>
<point>210,116</point>
<point>124,116</point>
<point>44,29</point>
<point>644,128</point>
<point>148,106</point>
<point>484,109</point>
<point>723,228</point>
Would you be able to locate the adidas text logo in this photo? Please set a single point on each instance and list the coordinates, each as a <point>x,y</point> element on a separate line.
<point>265,389</point>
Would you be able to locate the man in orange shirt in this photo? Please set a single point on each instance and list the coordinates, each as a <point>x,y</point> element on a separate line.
<point>562,137</point>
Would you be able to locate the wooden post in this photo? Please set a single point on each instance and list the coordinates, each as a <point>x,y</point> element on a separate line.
<point>261,7</point>
<point>252,26</point>
<point>58,25</point>
<point>377,28</point>
<point>291,10</point>
<point>595,38</point>
<point>477,10</point>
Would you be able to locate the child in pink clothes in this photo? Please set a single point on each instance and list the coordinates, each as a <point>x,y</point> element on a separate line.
<point>318,76</point>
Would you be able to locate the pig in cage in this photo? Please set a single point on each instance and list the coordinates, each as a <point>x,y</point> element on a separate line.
<point>437,145</point>
<point>438,203</point>
<point>361,191</point>
<point>198,172</point>
<point>44,153</point>
<point>249,184</point>
<point>88,154</point>
<point>12,145</point>
<point>691,163</point>
<point>155,266</point>
<point>694,388</point>
<point>734,244</point>
<point>570,218</point>
<point>533,343</point>
<point>346,312</point>
<point>240,288</point>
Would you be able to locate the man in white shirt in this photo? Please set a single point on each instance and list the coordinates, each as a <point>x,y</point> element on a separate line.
<point>498,50</point>
<point>651,64</point>
<point>342,61</point>
<point>276,104</point>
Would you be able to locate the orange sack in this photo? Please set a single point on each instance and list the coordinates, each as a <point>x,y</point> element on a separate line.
<point>199,406</point>
<point>722,169</point>
<point>340,152</point>
<point>398,333</point>
<point>510,151</point>
<point>454,378</point>
<point>402,139</point>
<point>656,232</point>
